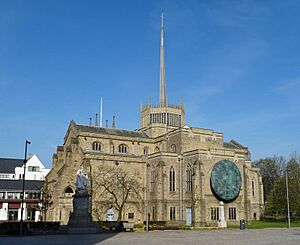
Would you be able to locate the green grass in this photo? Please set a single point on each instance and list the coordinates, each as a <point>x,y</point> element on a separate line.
<point>258,224</point>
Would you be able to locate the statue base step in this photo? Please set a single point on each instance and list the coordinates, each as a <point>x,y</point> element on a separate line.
<point>80,221</point>
<point>80,230</point>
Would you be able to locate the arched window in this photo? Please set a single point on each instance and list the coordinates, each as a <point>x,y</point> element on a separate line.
<point>97,146</point>
<point>123,148</point>
<point>172,179</point>
<point>157,149</point>
<point>68,192</point>
<point>253,187</point>
<point>173,148</point>
<point>152,180</point>
<point>189,178</point>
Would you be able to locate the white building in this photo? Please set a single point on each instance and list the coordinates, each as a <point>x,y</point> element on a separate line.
<point>11,185</point>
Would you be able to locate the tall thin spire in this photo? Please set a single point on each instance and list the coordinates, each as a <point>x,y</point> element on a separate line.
<point>162,76</point>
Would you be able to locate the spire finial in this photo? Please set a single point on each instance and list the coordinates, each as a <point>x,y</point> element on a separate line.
<point>162,20</point>
<point>162,78</point>
<point>96,120</point>
<point>113,122</point>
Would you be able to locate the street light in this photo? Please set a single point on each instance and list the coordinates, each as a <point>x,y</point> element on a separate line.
<point>287,198</point>
<point>23,188</point>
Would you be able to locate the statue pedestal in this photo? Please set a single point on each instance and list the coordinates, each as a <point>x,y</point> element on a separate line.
<point>222,222</point>
<point>80,220</point>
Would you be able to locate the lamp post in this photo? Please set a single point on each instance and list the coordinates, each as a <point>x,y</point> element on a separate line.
<point>23,188</point>
<point>287,198</point>
<point>147,194</point>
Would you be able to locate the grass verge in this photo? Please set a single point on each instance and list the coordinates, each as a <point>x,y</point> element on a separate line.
<point>258,224</point>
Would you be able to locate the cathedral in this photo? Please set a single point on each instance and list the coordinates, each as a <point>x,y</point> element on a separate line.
<point>165,171</point>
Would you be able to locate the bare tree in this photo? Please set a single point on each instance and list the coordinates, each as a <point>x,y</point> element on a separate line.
<point>117,186</point>
<point>46,198</point>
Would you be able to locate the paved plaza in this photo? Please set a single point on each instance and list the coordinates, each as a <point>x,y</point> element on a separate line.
<point>261,236</point>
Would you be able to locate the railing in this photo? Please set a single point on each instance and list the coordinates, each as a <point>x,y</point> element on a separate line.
<point>145,106</point>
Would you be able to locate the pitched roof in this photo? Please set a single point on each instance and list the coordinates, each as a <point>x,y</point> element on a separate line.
<point>233,144</point>
<point>17,185</point>
<point>8,165</point>
<point>111,131</point>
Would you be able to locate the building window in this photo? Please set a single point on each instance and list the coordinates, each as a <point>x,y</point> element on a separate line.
<point>173,148</point>
<point>172,179</point>
<point>189,178</point>
<point>253,186</point>
<point>10,195</point>
<point>123,148</point>
<point>214,213</point>
<point>172,213</point>
<point>68,192</point>
<point>152,180</point>
<point>232,213</point>
<point>2,195</point>
<point>130,215</point>
<point>146,150</point>
<point>33,168</point>
<point>153,213</point>
<point>97,146</point>
<point>4,176</point>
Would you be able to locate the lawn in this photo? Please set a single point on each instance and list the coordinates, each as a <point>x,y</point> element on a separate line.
<point>258,224</point>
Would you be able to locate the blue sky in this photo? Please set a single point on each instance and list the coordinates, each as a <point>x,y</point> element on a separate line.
<point>235,64</point>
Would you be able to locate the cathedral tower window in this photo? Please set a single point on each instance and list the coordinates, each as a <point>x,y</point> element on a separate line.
<point>123,148</point>
<point>173,148</point>
<point>97,146</point>
<point>189,178</point>
<point>172,179</point>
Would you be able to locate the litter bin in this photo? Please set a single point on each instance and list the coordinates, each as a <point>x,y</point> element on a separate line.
<point>242,224</point>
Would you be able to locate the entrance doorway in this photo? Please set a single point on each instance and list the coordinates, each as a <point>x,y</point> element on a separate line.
<point>189,216</point>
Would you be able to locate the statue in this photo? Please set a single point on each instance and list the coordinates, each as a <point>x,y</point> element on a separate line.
<point>81,182</point>
<point>80,220</point>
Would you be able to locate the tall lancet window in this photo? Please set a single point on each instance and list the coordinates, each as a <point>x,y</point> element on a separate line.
<point>189,178</point>
<point>152,180</point>
<point>172,179</point>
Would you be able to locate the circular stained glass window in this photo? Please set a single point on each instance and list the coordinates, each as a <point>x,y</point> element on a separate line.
<point>225,180</point>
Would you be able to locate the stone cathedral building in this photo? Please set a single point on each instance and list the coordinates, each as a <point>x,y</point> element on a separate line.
<point>184,172</point>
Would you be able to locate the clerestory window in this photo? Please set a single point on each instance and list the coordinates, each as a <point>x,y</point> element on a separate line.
<point>123,148</point>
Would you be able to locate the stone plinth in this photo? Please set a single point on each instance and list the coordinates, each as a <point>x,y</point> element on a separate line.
<point>80,220</point>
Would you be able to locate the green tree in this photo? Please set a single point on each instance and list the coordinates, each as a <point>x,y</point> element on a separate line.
<point>273,172</point>
<point>293,166</point>
<point>271,169</point>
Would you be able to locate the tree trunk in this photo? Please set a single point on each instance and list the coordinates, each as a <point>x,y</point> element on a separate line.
<point>120,214</point>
